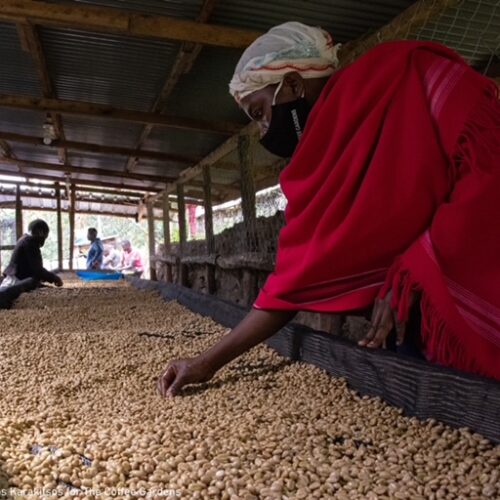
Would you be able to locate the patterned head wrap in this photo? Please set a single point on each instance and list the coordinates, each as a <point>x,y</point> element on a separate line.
<point>288,47</point>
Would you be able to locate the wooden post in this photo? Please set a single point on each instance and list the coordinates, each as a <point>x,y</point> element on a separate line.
<point>247,184</point>
<point>181,269</point>
<point>19,213</point>
<point>209,227</point>
<point>72,225</point>
<point>59,228</point>
<point>166,234</point>
<point>151,239</point>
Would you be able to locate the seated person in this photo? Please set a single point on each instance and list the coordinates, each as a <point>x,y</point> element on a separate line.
<point>131,260</point>
<point>95,255</point>
<point>111,259</point>
<point>26,260</point>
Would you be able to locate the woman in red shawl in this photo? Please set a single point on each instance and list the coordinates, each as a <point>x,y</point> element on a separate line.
<point>393,192</point>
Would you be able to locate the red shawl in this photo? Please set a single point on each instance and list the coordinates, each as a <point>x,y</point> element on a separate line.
<point>395,184</point>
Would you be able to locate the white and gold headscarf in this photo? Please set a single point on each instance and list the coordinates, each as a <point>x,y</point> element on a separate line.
<point>288,47</point>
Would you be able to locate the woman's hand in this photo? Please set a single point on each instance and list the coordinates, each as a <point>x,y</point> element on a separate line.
<point>383,321</point>
<point>58,281</point>
<point>182,372</point>
<point>257,326</point>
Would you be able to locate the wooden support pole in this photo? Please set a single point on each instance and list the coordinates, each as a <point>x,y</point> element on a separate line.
<point>59,228</point>
<point>19,213</point>
<point>72,226</point>
<point>151,240</point>
<point>247,183</point>
<point>166,235</point>
<point>181,270</point>
<point>209,228</point>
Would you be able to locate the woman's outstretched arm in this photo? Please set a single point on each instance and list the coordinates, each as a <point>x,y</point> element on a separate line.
<point>257,326</point>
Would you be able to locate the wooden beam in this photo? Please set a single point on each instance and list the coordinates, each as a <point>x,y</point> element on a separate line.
<point>59,227</point>
<point>78,108</point>
<point>247,183</point>
<point>53,167</point>
<point>167,236</point>
<point>84,199</point>
<point>78,187</point>
<point>89,212</point>
<point>151,242</point>
<point>99,183</point>
<point>217,154</point>
<point>182,217</point>
<point>209,229</point>
<point>96,148</point>
<point>71,226</point>
<point>181,208</point>
<point>31,43</point>
<point>6,152</point>
<point>111,20</point>
<point>209,222</point>
<point>182,64</point>
<point>19,214</point>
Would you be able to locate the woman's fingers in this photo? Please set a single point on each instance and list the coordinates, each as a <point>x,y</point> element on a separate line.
<point>400,331</point>
<point>377,315</point>
<point>166,380</point>
<point>385,326</point>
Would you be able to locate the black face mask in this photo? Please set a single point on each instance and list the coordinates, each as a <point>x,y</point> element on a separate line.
<point>288,121</point>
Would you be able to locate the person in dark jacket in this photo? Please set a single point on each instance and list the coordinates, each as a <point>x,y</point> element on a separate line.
<point>26,260</point>
<point>96,251</point>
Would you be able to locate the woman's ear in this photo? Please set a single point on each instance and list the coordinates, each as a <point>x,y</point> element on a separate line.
<point>293,86</point>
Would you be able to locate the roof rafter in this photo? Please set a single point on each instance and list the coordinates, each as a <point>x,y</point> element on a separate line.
<point>94,148</point>
<point>113,20</point>
<point>64,177</point>
<point>86,170</point>
<point>31,43</point>
<point>79,108</point>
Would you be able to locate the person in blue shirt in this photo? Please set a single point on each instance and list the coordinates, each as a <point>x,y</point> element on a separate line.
<point>96,251</point>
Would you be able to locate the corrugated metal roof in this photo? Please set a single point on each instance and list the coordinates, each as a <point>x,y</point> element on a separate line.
<point>99,131</point>
<point>18,75</point>
<point>344,19</point>
<point>97,160</point>
<point>203,93</point>
<point>168,140</point>
<point>21,121</point>
<point>34,153</point>
<point>156,167</point>
<point>109,69</point>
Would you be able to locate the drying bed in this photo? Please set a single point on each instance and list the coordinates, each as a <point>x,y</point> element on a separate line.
<point>80,414</point>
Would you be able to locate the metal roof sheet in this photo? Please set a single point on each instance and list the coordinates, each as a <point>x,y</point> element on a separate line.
<point>99,131</point>
<point>18,75</point>
<point>109,69</point>
<point>21,121</point>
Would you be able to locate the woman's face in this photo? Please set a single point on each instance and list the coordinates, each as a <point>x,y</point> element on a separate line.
<point>258,105</point>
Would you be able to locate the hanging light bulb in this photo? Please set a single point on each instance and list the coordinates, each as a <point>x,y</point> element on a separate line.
<point>49,132</point>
